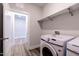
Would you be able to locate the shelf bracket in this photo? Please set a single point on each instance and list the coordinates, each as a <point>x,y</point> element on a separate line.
<point>50,18</point>
<point>70,11</point>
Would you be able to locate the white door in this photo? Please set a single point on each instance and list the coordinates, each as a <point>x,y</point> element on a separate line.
<point>15,27</point>
<point>7,32</point>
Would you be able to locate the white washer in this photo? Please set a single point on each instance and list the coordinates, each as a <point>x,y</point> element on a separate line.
<point>73,47</point>
<point>53,45</point>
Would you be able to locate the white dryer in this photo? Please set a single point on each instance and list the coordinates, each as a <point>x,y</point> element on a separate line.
<point>53,45</point>
<point>73,47</point>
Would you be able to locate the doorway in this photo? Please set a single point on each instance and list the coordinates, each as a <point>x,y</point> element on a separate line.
<point>1,29</point>
<point>16,30</point>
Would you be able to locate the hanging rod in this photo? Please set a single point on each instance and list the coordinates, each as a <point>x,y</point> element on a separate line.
<point>70,12</point>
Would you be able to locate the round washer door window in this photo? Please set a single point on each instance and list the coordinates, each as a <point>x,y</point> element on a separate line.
<point>48,50</point>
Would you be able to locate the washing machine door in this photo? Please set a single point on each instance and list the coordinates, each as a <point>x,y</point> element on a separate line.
<point>48,50</point>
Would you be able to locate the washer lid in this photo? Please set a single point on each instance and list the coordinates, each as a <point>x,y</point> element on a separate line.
<point>63,37</point>
<point>57,37</point>
<point>48,50</point>
<point>74,45</point>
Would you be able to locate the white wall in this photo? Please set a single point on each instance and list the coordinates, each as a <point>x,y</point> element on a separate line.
<point>35,31</point>
<point>52,8</point>
<point>64,22</point>
<point>35,13</point>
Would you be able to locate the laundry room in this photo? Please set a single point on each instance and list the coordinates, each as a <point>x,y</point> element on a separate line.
<point>62,26</point>
<point>40,29</point>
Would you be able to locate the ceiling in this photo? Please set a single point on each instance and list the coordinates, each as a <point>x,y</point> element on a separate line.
<point>39,4</point>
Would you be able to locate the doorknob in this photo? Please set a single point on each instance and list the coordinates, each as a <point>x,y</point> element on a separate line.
<point>3,38</point>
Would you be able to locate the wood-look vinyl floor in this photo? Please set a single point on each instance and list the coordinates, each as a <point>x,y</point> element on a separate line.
<point>35,52</point>
<point>19,50</point>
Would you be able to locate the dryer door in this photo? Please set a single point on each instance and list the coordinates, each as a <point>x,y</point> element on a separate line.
<point>48,50</point>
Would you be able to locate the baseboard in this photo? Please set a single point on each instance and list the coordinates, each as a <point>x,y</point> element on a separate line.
<point>33,47</point>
